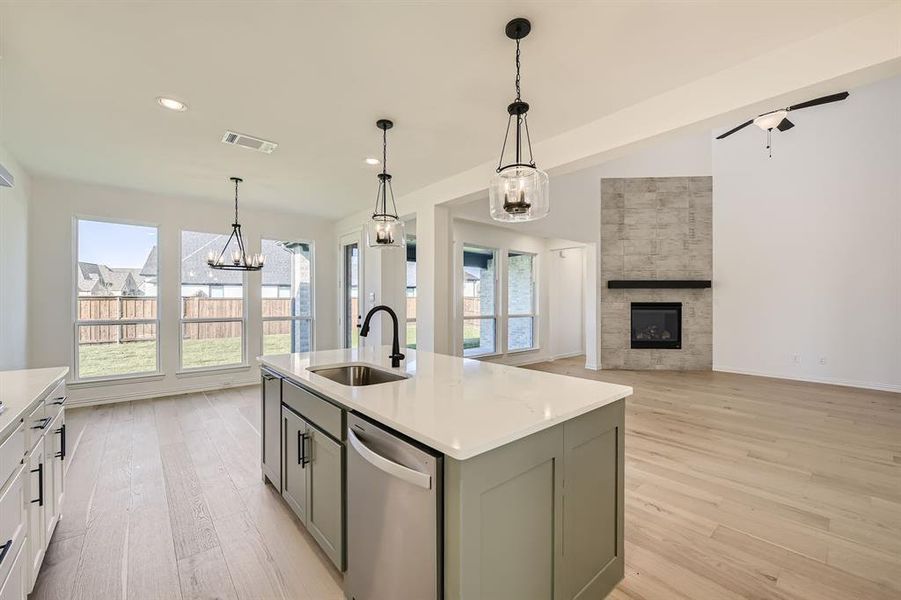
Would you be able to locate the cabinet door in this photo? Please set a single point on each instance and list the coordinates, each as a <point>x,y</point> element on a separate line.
<point>50,469</point>
<point>271,433</point>
<point>35,500</point>
<point>14,586</point>
<point>294,462</point>
<point>59,461</point>
<point>325,506</point>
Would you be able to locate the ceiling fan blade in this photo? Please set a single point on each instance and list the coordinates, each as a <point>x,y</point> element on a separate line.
<point>731,131</point>
<point>785,125</point>
<point>818,101</point>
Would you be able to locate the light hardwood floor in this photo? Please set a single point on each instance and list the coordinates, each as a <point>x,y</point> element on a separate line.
<point>736,487</point>
<point>749,487</point>
<point>164,500</point>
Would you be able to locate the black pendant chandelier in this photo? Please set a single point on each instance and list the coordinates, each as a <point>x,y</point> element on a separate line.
<point>385,229</point>
<point>238,260</point>
<point>519,190</point>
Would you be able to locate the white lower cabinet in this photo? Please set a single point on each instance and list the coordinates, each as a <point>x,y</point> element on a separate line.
<point>14,587</point>
<point>36,531</point>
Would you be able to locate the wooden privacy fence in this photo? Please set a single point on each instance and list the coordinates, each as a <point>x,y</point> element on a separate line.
<point>126,308</point>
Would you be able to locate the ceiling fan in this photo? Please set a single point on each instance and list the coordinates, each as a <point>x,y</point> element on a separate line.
<point>778,118</point>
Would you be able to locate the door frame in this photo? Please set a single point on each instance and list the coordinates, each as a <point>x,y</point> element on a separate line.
<point>352,237</point>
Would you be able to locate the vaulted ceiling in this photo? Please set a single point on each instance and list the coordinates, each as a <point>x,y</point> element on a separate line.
<point>79,82</point>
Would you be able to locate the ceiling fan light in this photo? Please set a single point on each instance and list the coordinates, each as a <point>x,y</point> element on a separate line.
<point>519,193</point>
<point>770,120</point>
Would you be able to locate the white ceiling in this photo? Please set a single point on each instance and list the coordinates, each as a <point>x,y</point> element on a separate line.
<point>79,82</point>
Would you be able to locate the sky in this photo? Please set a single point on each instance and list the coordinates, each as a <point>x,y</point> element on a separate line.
<point>114,244</point>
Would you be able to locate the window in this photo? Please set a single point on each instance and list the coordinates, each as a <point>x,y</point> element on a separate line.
<point>479,306</point>
<point>521,312</point>
<point>212,306</point>
<point>411,291</point>
<point>351,302</point>
<point>117,320</point>
<point>287,297</point>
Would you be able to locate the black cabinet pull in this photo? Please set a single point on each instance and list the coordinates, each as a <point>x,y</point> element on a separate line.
<point>44,422</point>
<point>60,401</point>
<point>6,547</point>
<point>62,442</point>
<point>302,458</point>
<point>40,472</point>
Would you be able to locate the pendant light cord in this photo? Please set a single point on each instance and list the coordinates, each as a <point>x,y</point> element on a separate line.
<point>518,98</point>
<point>236,202</point>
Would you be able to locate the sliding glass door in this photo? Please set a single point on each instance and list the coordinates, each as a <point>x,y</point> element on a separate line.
<point>350,291</point>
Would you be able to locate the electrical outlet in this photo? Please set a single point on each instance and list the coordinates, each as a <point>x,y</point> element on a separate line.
<point>796,358</point>
<point>822,360</point>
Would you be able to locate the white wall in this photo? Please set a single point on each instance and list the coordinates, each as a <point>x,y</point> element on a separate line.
<point>807,245</point>
<point>14,211</point>
<point>54,206</point>
<point>565,274</point>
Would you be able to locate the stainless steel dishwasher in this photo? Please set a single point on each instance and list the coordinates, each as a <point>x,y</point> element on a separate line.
<point>394,516</point>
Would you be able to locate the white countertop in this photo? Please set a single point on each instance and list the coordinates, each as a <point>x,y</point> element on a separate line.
<point>458,406</point>
<point>20,389</point>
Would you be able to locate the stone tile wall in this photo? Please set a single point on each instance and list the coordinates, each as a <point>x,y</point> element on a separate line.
<point>657,228</point>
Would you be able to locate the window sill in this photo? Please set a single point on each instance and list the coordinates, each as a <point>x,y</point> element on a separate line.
<point>114,380</point>
<point>485,355</point>
<point>200,371</point>
<point>523,350</point>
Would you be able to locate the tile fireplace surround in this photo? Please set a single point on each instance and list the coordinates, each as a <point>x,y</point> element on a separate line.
<point>657,228</point>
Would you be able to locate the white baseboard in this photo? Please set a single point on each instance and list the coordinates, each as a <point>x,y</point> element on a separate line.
<point>567,355</point>
<point>159,393</point>
<point>882,387</point>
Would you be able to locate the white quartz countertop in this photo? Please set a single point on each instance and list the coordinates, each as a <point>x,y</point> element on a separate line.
<point>458,406</point>
<point>20,389</point>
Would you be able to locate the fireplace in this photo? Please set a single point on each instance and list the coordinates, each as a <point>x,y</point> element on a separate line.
<point>657,325</point>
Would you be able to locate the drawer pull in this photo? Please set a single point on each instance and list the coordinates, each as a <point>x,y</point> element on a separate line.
<point>60,401</point>
<point>6,547</point>
<point>43,423</point>
<point>40,472</point>
<point>62,442</point>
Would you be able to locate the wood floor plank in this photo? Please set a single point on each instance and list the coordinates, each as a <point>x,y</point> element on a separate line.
<point>58,570</point>
<point>192,526</point>
<point>101,569</point>
<point>253,570</point>
<point>204,576</point>
<point>152,568</point>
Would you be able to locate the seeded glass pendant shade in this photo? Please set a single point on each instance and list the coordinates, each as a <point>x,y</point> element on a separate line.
<point>519,191</point>
<point>385,229</point>
<point>237,259</point>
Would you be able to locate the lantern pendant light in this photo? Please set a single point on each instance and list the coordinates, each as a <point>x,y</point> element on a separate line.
<point>238,260</point>
<point>519,190</point>
<point>385,229</point>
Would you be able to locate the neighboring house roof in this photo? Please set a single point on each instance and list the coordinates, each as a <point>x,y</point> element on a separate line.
<point>150,264</point>
<point>101,280</point>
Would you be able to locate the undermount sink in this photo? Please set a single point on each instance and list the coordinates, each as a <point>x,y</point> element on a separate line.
<point>357,375</point>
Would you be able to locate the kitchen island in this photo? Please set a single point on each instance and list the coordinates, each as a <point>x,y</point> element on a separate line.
<point>529,478</point>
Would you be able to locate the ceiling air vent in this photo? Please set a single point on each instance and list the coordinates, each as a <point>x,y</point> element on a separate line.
<point>248,141</point>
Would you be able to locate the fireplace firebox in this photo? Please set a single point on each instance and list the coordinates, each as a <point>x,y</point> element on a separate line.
<point>657,325</point>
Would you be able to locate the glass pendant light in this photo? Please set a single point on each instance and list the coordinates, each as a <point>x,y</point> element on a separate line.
<point>385,229</point>
<point>519,190</point>
<point>238,260</point>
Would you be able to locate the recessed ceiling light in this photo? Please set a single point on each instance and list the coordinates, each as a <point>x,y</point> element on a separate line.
<point>172,104</point>
<point>372,161</point>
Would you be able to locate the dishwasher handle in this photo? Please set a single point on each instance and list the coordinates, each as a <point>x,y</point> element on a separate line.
<point>378,461</point>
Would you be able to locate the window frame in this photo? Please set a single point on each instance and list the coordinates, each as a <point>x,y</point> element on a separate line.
<point>77,323</point>
<point>407,319</point>
<point>534,314</point>
<point>182,370</point>
<point>494,316</point>
<point>312,317</point>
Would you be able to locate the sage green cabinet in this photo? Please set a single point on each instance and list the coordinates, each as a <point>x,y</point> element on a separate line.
<point>313,482</point>
<point>325,493</point>
<point>294,462</point>
<point>271,413</point>
<point>541,517</point>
